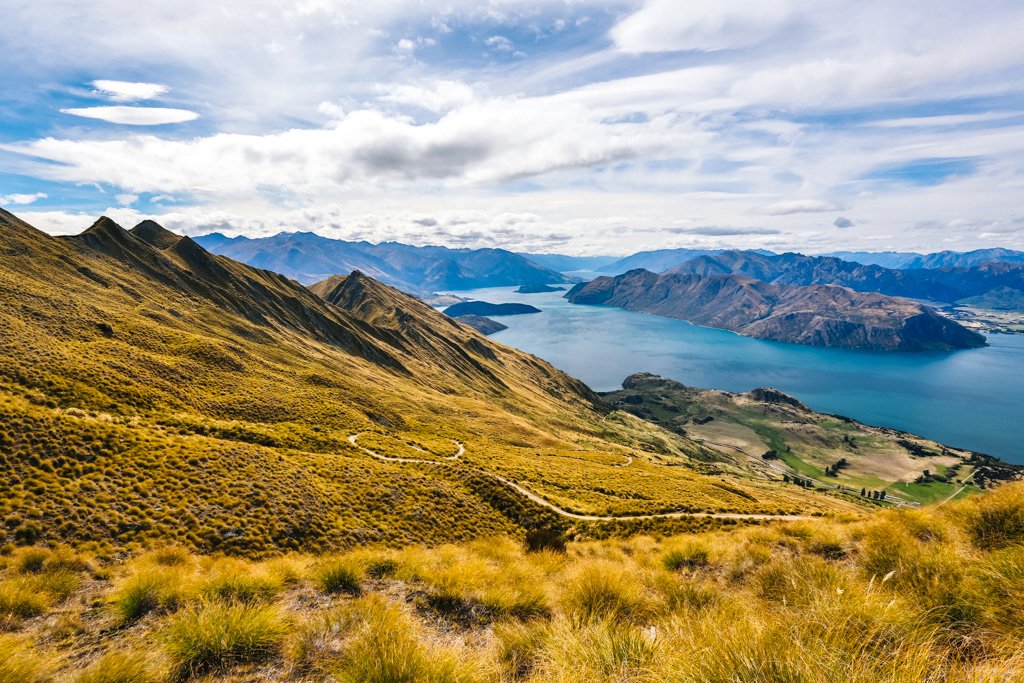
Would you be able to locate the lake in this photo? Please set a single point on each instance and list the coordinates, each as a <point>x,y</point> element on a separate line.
<point>969,399</point>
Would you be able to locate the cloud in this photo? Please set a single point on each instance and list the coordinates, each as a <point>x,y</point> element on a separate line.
<point>126,91</point>
<point>843,222</point>
<point>126,199</point>
<point>498,140</point>
<point>436,96</point>
<point>723,231</point>
<point>134,116</point>
<point>22,199</point>
<point>790,207</point>
<point>500,43</point>
<point>701,25</point>
<point>944,120</point>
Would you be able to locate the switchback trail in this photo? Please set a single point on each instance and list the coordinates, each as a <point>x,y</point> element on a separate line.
<point>530,495</point>
<point>355,438</point>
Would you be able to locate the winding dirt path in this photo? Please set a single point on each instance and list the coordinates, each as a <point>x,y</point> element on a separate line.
<point>527,493</point>
<point>354,440</point>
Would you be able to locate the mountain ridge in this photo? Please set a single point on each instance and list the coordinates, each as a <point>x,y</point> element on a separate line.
<point>819,315</point>
<point>947,285</point>
<point>310,258</point>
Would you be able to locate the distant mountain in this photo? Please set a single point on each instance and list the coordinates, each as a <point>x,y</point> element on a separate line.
<point>886,259</point>
<point>819,315</point>
<point>660,260</point>
<point>564,264</point>
<point>999,299</point>
<point>954,259</point>
<point>309,258</point>
<point>484,308</point>
<point>942,259</point>
<point>655,261</point>
<point>939,284</point>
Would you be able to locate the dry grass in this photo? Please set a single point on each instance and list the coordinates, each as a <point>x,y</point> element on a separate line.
<point>898,596</point>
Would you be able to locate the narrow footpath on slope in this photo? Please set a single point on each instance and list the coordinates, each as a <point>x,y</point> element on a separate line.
<point>530,495</point>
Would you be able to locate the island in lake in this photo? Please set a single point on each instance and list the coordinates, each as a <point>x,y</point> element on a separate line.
<point>538,289</point>
<point>486,309</point>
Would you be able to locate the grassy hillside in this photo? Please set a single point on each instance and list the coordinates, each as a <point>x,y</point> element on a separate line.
<point>787,440</point>
<point>150,390</point>
<point>903,596</point>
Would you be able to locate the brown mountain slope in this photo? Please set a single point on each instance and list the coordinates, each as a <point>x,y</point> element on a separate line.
<point>821,315</point>
<point>149,389</point>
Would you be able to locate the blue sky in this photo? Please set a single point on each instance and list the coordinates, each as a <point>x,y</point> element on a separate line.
<point>579,127</point>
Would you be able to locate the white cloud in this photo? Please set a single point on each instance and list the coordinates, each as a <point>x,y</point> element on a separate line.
<point>790,207</point>
<point>703,25</point>
<point>500,43</point>
<point>126,199</point>
<point>134,116</point>
<point>482,142</point>
<point>21,199</point>
<point>436,96</point>
<point>126,91</point>
<point>946,120</point>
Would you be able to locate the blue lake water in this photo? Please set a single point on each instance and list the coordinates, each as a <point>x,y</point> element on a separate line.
<point>970,399</point>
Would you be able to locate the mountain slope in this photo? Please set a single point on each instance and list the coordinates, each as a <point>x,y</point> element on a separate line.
<point>309,258</point>
<point>790,439</point>
<point>151,390</point>
<point>943,284</point>
<point>819,315</point>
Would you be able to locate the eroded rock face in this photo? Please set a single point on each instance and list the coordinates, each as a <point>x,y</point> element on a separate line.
<point>818,315</point>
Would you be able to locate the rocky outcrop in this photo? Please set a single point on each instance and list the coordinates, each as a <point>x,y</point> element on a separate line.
<point>819,315</point>
<point>481,324</point>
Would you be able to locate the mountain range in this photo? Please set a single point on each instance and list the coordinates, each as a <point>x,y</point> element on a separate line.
<point>660,260</point>
<point>941,259</point>
<point>309,258</point>
<point>819,315</point>
<point>946,284</point>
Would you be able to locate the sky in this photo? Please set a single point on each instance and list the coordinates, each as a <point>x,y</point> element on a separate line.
<point>536,125</point>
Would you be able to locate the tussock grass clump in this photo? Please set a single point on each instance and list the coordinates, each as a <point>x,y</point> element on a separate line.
<point>339,575</point>
<point>20,664</point>
<point>480,583</point>
<point>214,635</point>
<point>520,646</point>
<point>170,556</point>
<point>689,554</point>
<point>123,666</point>
<point>149,589</point>
<point>233,580</point>
<point>601,651</point>
<point>31,560</point>
<point>603,590</point>
<point>385,647</point>
<point>997,520</point>
<point>20,598</point>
